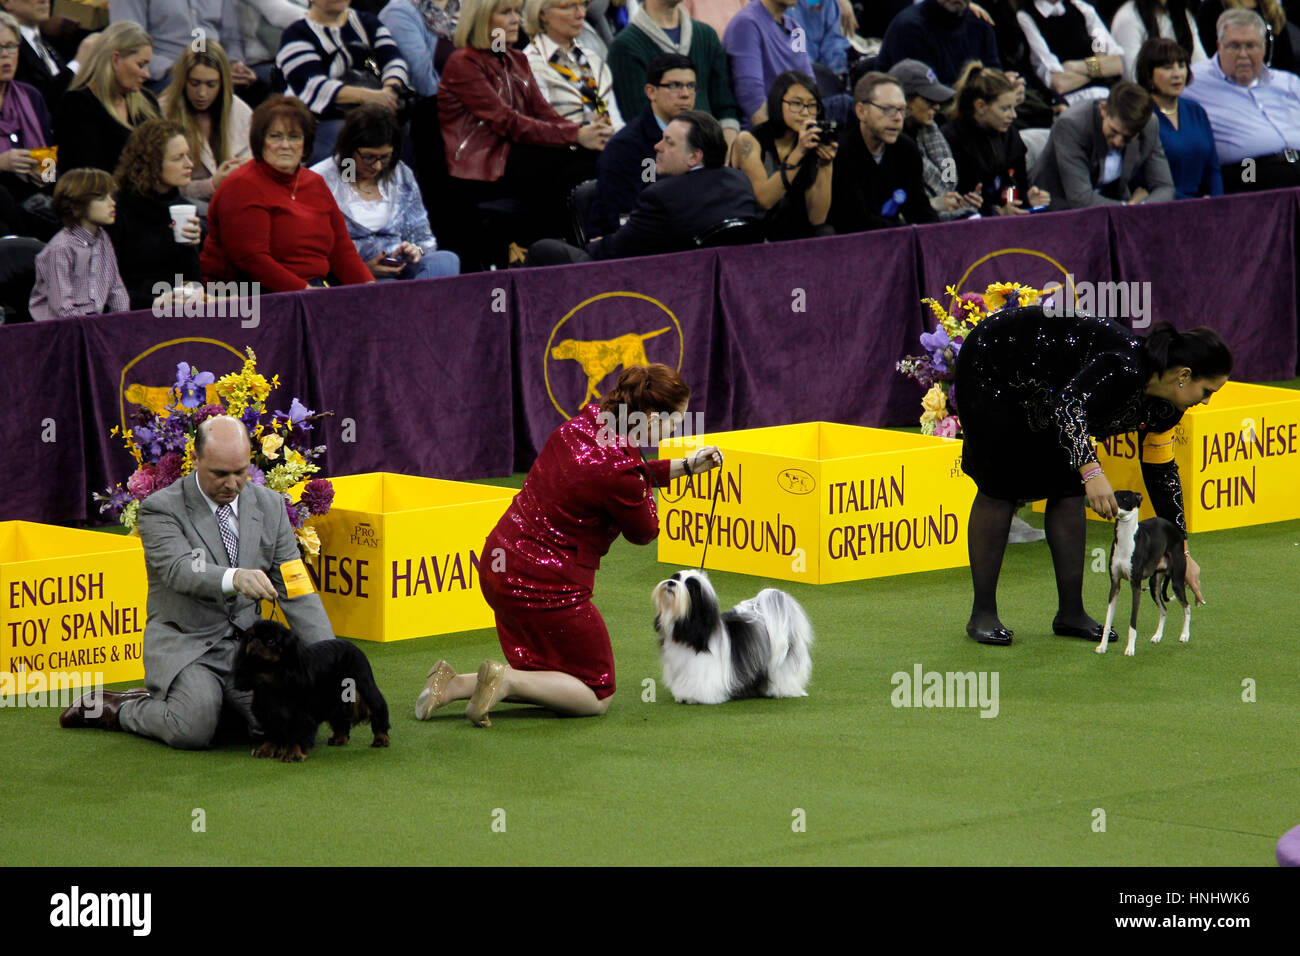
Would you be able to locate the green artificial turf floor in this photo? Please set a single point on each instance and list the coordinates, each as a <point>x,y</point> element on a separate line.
<point>1184,770</point>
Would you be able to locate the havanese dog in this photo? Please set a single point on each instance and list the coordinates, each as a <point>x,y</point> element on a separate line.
<point>760,648</point>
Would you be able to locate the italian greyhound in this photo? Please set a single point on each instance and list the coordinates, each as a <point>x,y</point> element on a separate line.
<point>1152,549</point>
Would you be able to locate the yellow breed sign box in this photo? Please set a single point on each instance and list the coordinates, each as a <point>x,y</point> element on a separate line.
<point>1238,459</point>
<point>400,555</point>
<point>74,607</point>
<point>819,503</point>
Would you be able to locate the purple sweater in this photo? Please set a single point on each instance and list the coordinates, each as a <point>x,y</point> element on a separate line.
<point>760,49</point>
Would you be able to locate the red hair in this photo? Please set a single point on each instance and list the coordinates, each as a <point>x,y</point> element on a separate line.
<point>646,389</point>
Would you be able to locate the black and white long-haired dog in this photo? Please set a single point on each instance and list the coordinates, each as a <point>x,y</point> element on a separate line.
<point>759,648</point>
<point>298,686</point>
<point>1152,551</point>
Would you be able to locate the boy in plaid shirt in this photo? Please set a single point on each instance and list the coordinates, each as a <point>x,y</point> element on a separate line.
<point>76,273</point>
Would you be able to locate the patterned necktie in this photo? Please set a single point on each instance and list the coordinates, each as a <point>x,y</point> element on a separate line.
<point>229,537</point>
<point>46,56</point>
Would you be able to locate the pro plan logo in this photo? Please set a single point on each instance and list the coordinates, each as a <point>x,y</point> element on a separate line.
<point>796,481</point>
<point>148,378</point>
<point>363,535</point>
<point>600,337</point>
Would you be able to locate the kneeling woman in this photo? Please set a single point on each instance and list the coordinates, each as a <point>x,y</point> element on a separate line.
<point>1032,391</point>
<point>588,486</point>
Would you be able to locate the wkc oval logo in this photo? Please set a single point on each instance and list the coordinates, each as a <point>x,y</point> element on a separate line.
<point>796,482</point>
<point>600,337</point>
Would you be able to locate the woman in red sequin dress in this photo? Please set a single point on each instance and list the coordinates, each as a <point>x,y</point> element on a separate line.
<point>588,486</point>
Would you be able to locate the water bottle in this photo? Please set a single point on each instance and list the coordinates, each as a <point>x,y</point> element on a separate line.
<point>895,202</point>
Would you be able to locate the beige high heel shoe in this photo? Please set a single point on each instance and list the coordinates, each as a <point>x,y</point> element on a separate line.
<point>434,694</point>
<point>490,676</point>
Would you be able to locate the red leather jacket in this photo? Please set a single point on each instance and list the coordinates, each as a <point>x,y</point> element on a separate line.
<point>486,101</point>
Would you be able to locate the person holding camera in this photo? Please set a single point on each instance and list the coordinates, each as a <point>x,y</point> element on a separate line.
<point>789,159</point>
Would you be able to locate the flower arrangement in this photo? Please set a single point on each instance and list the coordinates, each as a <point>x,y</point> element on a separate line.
<point>935,370</point>
<point>162,444</point>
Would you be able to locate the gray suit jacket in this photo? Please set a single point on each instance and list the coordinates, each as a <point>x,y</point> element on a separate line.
<point>1070,164</point>
<point>186,560</point>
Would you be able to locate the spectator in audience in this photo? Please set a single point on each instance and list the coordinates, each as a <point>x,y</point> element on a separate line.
<point>575,81</point>
<point>661,26</point>
<point>76,272</point>
<point>1072,52</point>
<point>262,23</point>
<point>107,100</point>
<point>926,96</point>
<point>1254,111</point>
<point>272,221</point>
<point>1139,20</point>
<point>154,167</point>
<point>1105,152</point>
<point>501,136</point>
<point>39,64</point>
<point>1185,132</point>
<point>716,14</point>
<point>24,123</point>
<point>761,45</point>
<point>877,180</point>
<point>336,57</point>
<point>174,26</point>
<point>1275,22</point>
<point>823,36</point>
<point>625,164</point>
<point>943,34</point>
<point>788,164</point>
<point>380,201</point>
<point>693,191</point>
<point>201,102</point>
<point>989,152</point>
<point>424,31</point>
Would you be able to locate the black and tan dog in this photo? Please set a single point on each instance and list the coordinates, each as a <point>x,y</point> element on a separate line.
<point>1152,551</point>
<point>298,686</point>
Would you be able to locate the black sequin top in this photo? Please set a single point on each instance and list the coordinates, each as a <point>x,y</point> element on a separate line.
<point>1032,390</point>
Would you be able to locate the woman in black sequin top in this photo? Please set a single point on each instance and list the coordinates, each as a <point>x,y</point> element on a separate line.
<point>1032,390</point>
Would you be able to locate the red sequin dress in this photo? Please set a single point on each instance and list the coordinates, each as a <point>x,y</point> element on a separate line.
<point>539,563</point>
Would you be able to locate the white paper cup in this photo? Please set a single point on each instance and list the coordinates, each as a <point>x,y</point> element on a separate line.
<point>181,214</point>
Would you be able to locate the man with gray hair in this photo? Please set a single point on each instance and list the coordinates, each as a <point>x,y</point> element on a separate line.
<point>214,546</point>
<point>1254,111</point>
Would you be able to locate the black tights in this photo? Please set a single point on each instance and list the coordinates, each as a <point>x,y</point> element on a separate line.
<point>986,542</point>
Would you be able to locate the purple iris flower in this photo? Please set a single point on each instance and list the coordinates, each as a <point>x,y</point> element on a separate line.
<point>937,344</point>
<point>193,389</point>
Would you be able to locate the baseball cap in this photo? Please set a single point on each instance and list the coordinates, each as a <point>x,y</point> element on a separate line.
<point>919,80</point>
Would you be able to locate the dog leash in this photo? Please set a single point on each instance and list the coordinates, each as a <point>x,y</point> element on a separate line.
<point>708,528</point>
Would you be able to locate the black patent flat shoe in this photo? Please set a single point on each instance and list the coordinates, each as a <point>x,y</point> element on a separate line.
<point>1087,633</point>
<point>998,636</point>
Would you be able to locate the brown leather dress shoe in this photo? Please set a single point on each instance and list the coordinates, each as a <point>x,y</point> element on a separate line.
<point>99,710</point>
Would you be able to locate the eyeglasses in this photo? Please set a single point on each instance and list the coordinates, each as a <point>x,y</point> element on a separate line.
<point>10,48</point>
<point>373,159</point>
<point>285,138</point>
<point>889,110</point>
<point>1251,46</point>
<point>801,106</point>
<point>677,87</point>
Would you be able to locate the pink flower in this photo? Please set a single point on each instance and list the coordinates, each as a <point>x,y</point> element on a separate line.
<point>168,470</point>
<point>318,495</point>
<point>143,483</point>
<point>948,427</point>
<point>206,412</point>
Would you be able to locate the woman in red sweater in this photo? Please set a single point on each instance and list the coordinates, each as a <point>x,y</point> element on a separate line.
<point>275,222</point>
<point>501,136</point>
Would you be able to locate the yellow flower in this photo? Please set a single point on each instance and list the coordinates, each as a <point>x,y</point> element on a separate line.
<point>308,540</point>
<point>187,463</point>
<point>935,405</point>
<point>271,446</point>
<point>939,311</point>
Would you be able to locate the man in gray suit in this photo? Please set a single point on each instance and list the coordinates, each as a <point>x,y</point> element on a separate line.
<point>1105,153</point>
<point>213,545</point>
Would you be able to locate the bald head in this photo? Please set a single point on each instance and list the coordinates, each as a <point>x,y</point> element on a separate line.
<point>221,456</point>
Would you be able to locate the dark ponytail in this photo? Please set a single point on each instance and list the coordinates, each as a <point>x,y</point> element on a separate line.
<point>1199,349</point>
<point>647,388</point>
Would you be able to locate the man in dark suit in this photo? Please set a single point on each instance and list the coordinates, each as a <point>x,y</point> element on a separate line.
<point>214,545</point>
<point>693,192</point>
<point>626,164</point>
<point>39,64</point>
<point>1105,153</point>
<point>877,180</point>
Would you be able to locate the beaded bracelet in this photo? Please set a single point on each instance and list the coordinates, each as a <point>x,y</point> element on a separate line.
<point>1091,474</point>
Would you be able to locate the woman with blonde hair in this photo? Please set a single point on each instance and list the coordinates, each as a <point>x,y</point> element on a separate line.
<point>107,100</point>
<point>567,62</point>
<point>201,102</point>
